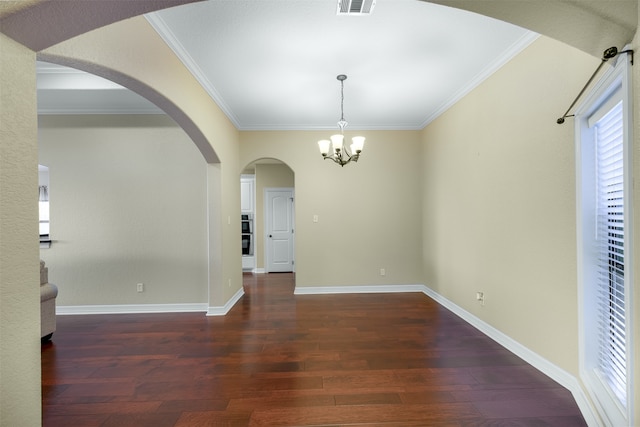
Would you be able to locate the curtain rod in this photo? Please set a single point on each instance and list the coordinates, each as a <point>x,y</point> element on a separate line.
<point>612,52</point>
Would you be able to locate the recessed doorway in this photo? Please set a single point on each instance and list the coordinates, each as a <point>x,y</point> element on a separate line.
<point>268,198</point>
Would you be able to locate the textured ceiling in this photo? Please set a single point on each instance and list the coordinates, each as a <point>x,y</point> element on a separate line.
<point>273,64</point>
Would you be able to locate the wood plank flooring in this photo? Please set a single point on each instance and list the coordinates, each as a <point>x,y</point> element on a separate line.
<point>282,360</point>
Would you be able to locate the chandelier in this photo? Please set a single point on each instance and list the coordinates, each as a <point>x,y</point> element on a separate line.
<point>340,154</point>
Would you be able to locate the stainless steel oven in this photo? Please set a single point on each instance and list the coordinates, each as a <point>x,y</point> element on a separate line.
<point>247,223</point>
<point>247,234</point>
<point>247,244</point>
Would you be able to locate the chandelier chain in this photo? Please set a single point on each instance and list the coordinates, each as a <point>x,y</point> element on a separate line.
<point>342,101</point>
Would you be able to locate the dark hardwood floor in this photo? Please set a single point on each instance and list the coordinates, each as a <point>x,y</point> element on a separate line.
<point>282,360</point>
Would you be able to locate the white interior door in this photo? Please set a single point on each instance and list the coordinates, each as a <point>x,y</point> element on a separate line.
<point>279,230</point>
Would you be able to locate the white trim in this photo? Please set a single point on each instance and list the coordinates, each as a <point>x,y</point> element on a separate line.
<point>266,231</point>
<point>174,44</point>
<point>556,373</point>
<point>223,310</point>
<point>130,308</point>
<point>144,108</point>
<point>373,289</point>
<point>517,47</point>
<point>614,98</point>
<point>619,75</point>
<point>150,308</point>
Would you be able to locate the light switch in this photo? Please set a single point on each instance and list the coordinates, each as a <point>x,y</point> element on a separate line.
<point>315,218</point>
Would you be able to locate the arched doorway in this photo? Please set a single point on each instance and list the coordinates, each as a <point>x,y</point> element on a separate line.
<point>264,181</point>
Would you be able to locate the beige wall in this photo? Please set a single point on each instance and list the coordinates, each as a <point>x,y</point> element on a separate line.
<point>19,275</point>
<point>128,205</point>
<point>267,176</point>
<point>150,67</point>
<point>499,201</point>
<point>19,367</point>
<point>369,212</point>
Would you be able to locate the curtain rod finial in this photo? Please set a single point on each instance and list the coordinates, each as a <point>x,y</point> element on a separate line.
<point>610,53</point>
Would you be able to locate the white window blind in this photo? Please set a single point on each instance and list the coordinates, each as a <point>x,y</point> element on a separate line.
<point>43,209</point>
<point>612,361</point>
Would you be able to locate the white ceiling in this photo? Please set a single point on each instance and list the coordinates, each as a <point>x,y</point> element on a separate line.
<point>272,64</point>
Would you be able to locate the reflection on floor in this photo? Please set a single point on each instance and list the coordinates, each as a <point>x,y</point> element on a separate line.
<point>282,360</point>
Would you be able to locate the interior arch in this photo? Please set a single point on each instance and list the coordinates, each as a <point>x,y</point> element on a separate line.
<point>265,160</point>
<point>184,120</point>
<point>538,15</point>
<point>268,172</point>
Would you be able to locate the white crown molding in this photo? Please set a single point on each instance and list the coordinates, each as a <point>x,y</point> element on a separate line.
<point>98,111</point>
<point>174,44</point>
<point>487,72</point>
<point>163,30</point>
<point>49,68</point>
<point>223,310</point>
<point>130,308</point>
<point>56,81</point>
<point>351,128</point>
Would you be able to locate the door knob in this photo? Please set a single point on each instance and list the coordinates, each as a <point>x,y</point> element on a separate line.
<point>270,236</point>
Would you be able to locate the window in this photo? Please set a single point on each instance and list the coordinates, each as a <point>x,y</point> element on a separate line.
<point>604,244</point>
<point>43,205</point>
<point>43,208</point>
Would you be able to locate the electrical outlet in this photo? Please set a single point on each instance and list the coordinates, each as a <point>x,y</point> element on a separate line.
<point>140,287</point>
<point>383,272</point>
<point>480,297</point>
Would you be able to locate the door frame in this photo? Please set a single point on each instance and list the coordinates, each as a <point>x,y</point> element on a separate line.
<point>266,218</point>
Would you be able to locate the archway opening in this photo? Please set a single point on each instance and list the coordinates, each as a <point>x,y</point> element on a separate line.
<point>268,216</point>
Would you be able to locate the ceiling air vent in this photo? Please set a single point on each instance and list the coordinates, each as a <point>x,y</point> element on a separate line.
<point>355,7</point>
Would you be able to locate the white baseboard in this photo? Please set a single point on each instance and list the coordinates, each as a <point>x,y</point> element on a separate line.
<point>222,310</point>
<point>150,308</point>
<point>556,373</point>
<point>543,365</point>
<point>372,289</point>
<point>130,308</point>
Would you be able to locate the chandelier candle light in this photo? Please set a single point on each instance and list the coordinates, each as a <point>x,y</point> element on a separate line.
<point>340,154</point>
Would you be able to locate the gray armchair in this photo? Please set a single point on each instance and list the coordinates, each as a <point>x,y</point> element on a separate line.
<point>48,294</point>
